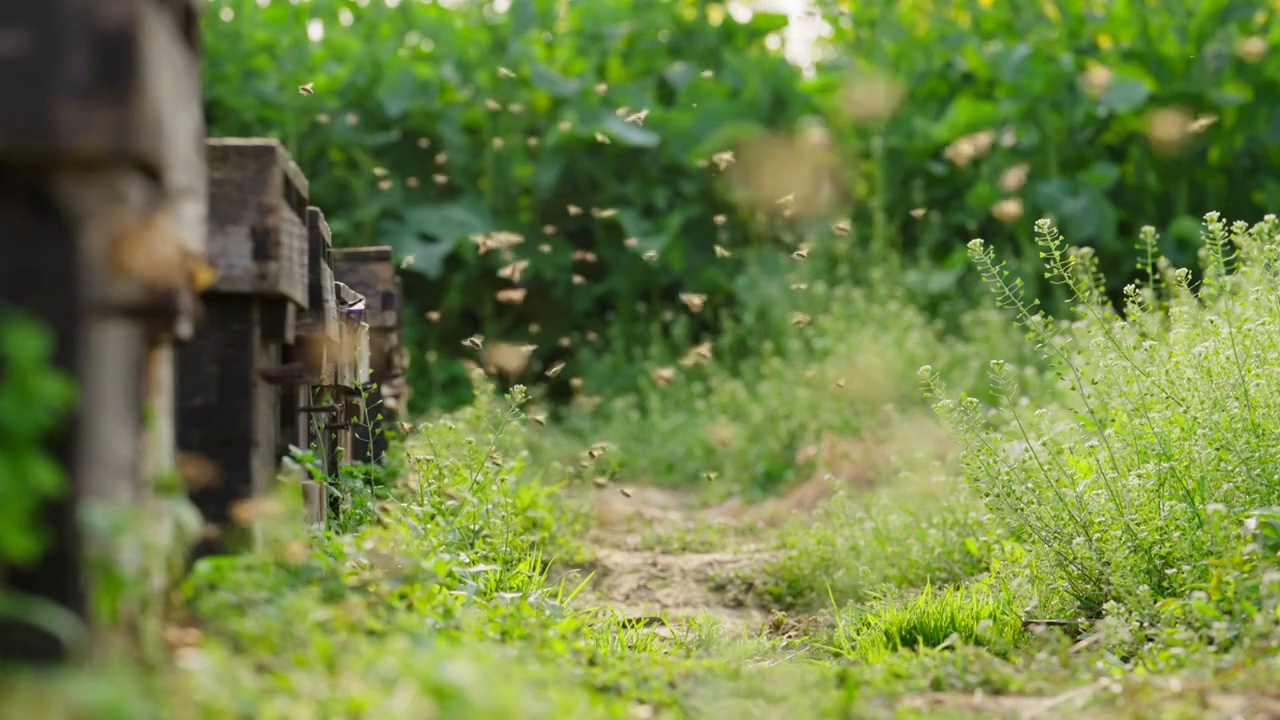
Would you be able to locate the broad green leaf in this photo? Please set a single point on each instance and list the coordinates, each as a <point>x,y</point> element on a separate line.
<point>965,115</point>
<point>553,83</point>
<point>624,133</point>
<point>728,135</point>
<point>1101,175</point>
<point>450,220</point>
<point>547,174</point>
<point>639,227</point>
<point>1125,94</point>
<point>934,282</point>
<point>429,257</point>
<point>400,90</point>
<point>1233,93</point>
<point>1086,215</point>
<point>680,73</point>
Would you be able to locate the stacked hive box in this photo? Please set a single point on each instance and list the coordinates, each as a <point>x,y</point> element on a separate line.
<point>331,348</point>
<point>231,373</point>
<point>371,271</point>
<point>314,412</point>
<point>102,202</point>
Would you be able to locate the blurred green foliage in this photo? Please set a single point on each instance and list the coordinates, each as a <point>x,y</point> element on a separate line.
<point>1121,113</point>
<point>942,120</point>
<point>429,125</point>
<point>36,400</point>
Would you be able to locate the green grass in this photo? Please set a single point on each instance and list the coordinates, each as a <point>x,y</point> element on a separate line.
<point>906,535</point>
<point>930,619</point>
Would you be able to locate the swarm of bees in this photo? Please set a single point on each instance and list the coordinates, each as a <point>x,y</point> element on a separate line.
<point>516,270</point>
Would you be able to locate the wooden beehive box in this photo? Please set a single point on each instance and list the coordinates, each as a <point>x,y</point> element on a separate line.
<point>102,82</point>
<point>258,238</point>
<point>102,201</point>
<point>371,271</point>
<point>240,397</point>
<point>99,89</point>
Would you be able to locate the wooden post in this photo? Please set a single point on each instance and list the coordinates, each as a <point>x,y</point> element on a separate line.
<point>371,271</point>
<point>230,375</point>
<point>102,201</point>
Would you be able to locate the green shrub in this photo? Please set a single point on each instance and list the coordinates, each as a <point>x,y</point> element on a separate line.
<point>1166,447</point>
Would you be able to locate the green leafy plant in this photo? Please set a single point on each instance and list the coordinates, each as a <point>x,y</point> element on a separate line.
<point>1146,473</point>
<point>1103,116</point>
<point>35,399</point>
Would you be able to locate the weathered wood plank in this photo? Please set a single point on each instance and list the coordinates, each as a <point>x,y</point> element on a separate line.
<point>321,317</point>
<point>111,84</point>
<point>257,219</point>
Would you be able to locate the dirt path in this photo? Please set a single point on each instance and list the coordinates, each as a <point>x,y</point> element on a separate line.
<point>660,556</point>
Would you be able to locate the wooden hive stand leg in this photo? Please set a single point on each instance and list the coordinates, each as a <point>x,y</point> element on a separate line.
<point>315,490</point>
<point>337,429</point>
<point>298,405</point>
<point>122,339</point>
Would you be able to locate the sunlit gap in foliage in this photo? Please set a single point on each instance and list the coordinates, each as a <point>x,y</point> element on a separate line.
<point>798,41</point>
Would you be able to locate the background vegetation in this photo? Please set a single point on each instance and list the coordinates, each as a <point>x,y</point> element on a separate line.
<point>434,123</point>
